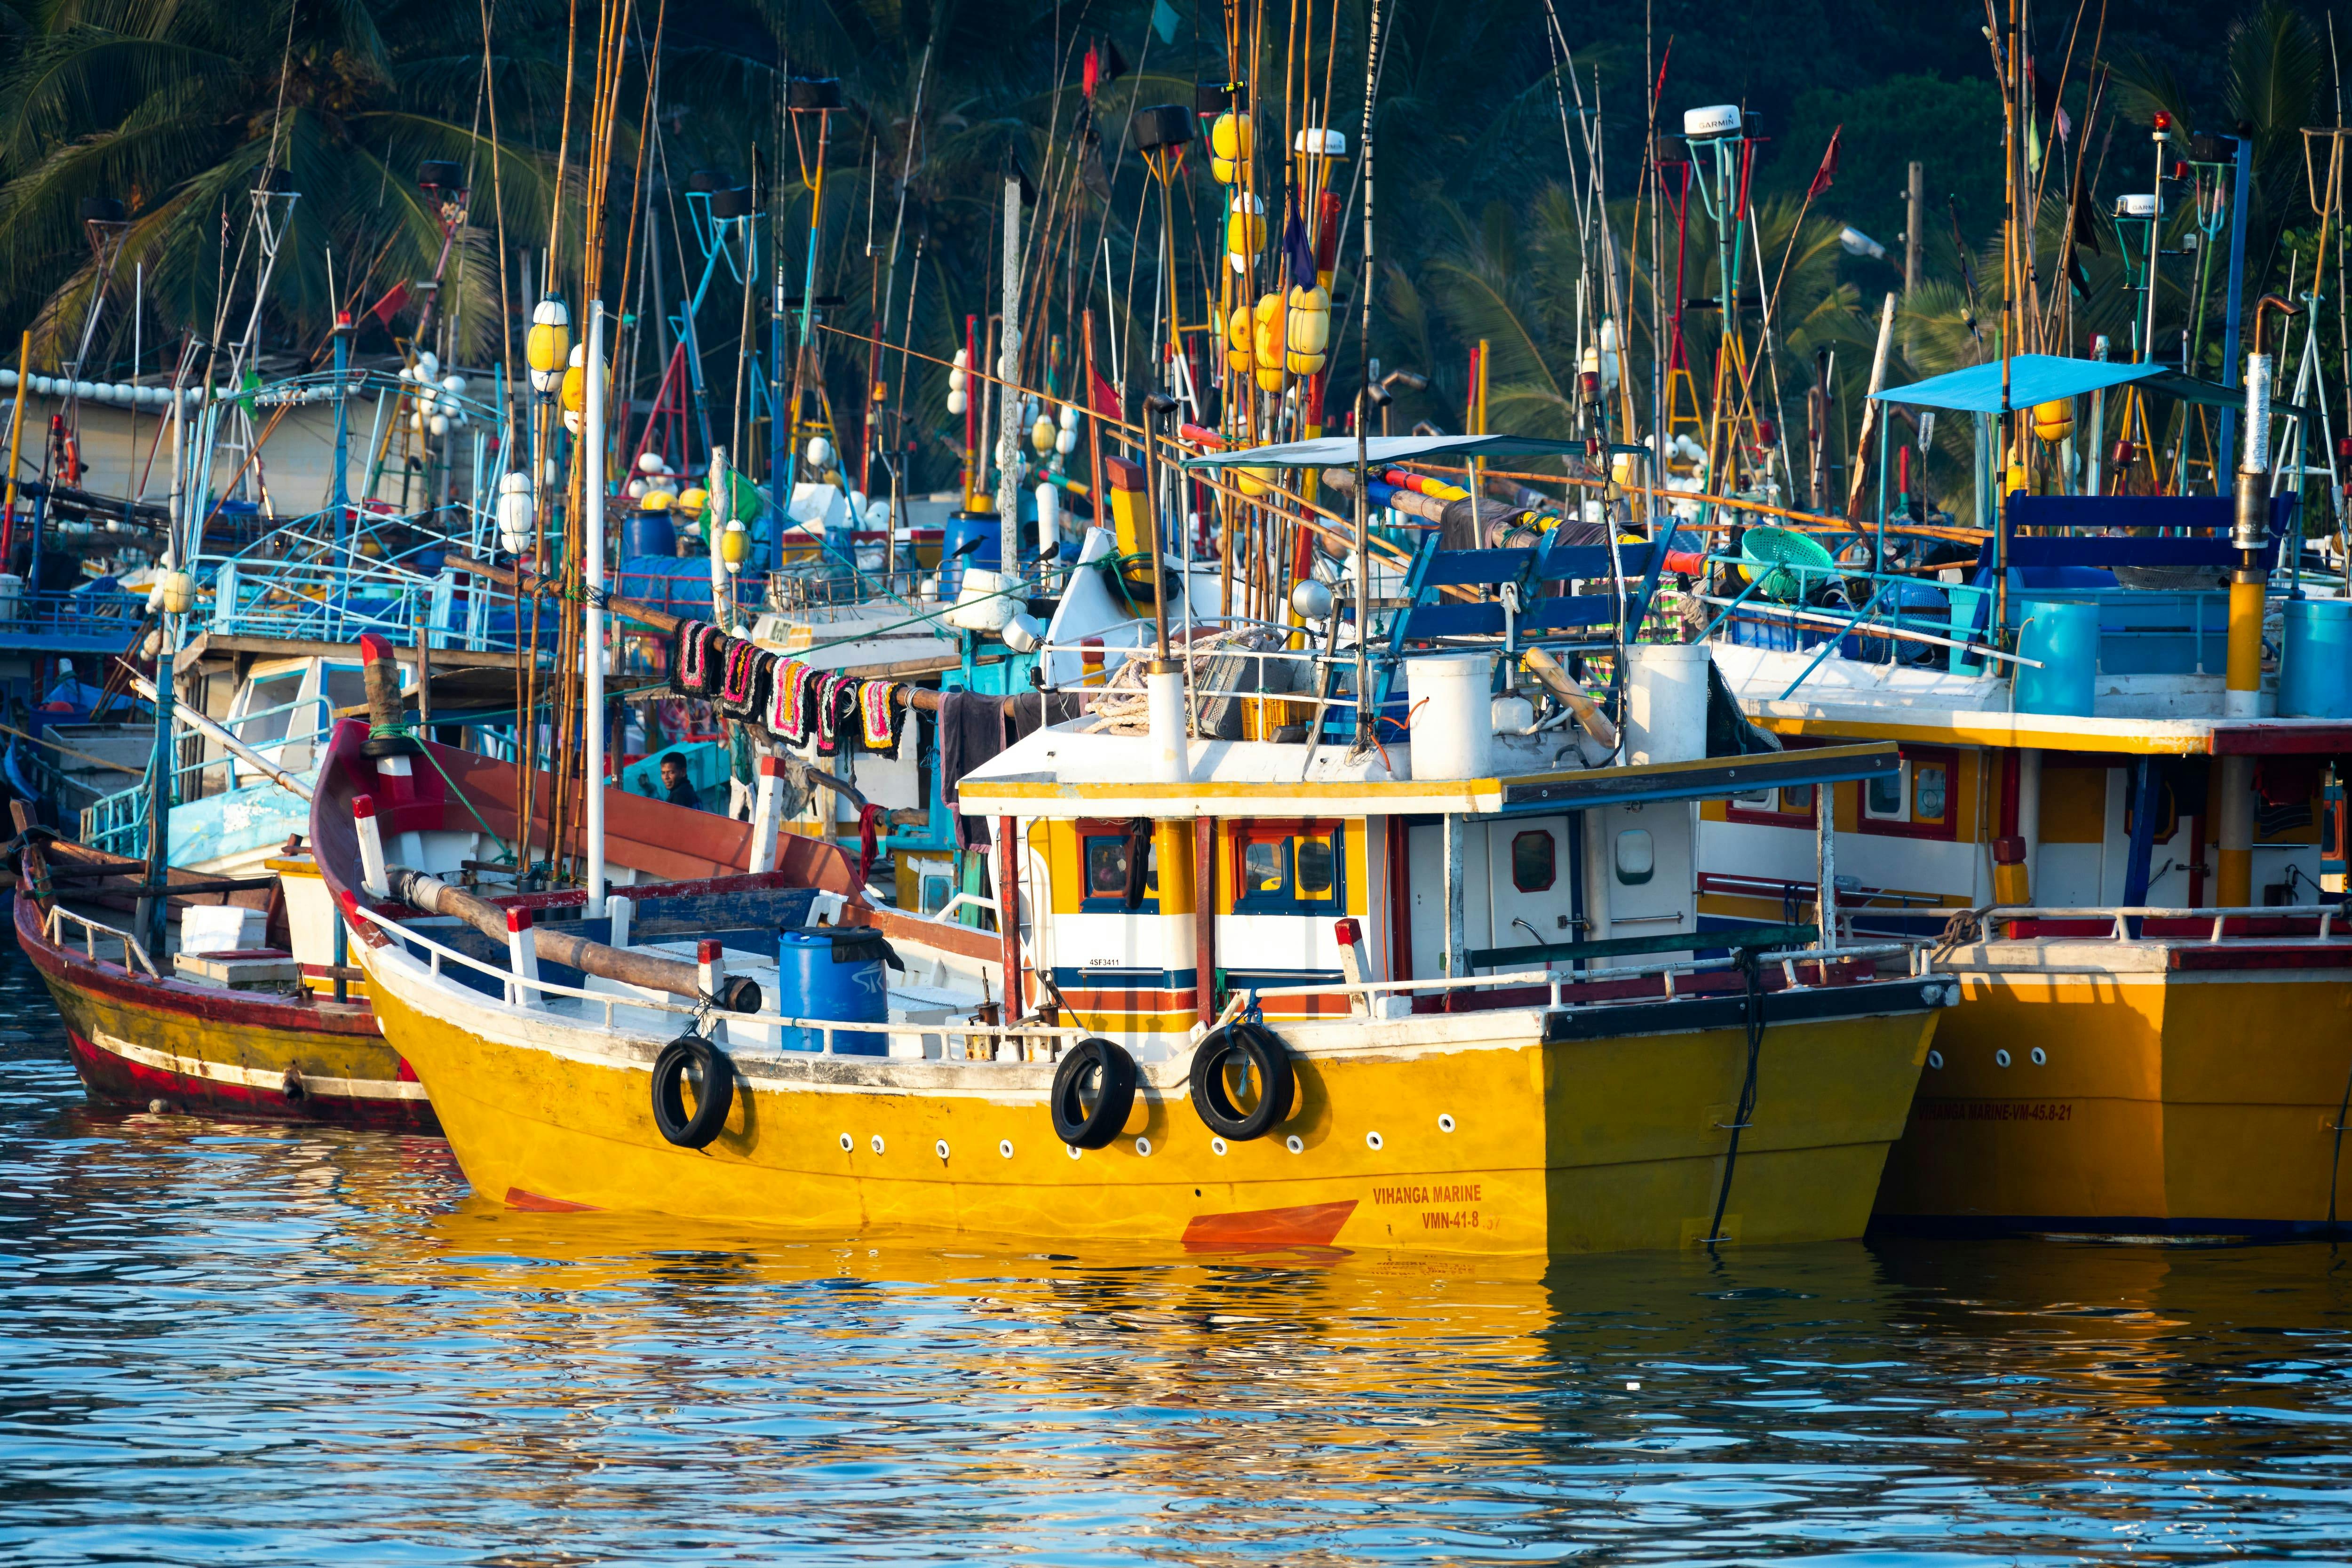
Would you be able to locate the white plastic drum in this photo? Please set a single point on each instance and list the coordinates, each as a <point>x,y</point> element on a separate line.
<point>1451,715</point>
<point>1666,703</point>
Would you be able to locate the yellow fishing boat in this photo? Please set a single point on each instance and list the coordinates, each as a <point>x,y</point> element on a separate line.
<point>2122,820</point>
<point>1243,995</point>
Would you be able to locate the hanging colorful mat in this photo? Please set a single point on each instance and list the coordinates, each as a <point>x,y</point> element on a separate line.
<point>743,679</point>
<point>836,705</point>
<point>880,718</point>
<point>694,659</point>
<point>792,702</point>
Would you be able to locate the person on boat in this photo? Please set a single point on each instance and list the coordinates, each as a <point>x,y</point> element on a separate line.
<point>676,787</point>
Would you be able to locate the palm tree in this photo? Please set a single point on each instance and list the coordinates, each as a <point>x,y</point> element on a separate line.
<point>180,111</point>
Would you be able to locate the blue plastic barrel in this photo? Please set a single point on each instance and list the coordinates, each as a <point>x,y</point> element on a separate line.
<point>962,528</point>
<point>835,973</point>
<point>2064,635</point>
<point>650,534</point>
<point>2316,662</point>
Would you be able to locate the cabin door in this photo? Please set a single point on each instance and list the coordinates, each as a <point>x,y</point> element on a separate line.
<point>1529,887</point>
<point>1639,861</point>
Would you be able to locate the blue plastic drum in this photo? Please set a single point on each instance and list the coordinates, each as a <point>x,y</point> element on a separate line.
<point>650,534</point>
<point>2316,660</point>
<point>2063,635</point>
<point>835,973</point>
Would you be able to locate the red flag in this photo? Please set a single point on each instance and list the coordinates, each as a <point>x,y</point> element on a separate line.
<point>1828,169</point>
<point>395,301</point>
<point>1105,399</point>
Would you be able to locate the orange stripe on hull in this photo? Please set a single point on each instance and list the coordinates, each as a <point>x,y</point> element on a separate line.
<point>1309,1225</point>
<point>519,1199</point>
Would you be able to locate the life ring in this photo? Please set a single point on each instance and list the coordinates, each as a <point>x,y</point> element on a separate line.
<point>1113,1072</point>
<point>1264,1060</point>
<point>714,1093</point>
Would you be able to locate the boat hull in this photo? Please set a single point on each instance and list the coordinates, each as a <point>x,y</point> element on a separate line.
<point>1509,1133</point>
<point>2155,1099</point>
<point>211,1051</point>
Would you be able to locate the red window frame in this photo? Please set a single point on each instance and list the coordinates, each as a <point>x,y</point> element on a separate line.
<point>1244,832</point>
<point>1945,831</point>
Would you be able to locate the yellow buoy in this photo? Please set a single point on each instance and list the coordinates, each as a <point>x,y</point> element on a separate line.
<point>2054,420</point>
<point>1230,144</point>
<point>1245,229</point>
<point>1270,340</point>
<point>1237,339</point>
<point>1309,330</point>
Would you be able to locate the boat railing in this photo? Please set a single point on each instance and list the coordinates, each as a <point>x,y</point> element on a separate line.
<point>53,928</point>
<point>1029,1042</point>
<point>117,823</point>
<point>321,602</point>
<point>2119,921</point>
<point>946,913</point>
<point>1877,617</point>
<point>1913,954</point>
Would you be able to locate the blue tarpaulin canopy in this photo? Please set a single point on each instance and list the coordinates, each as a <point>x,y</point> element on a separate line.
<point>2046,378</point>
<point>1339,451</point>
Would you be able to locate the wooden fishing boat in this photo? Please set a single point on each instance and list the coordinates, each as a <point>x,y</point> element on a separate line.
<point>285,1030</point>
<point>244,1033</point>
<point>1243,994</point>
<point>2125,830</point>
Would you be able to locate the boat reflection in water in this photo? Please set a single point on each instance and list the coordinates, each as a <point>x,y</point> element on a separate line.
<point>457,1376</point>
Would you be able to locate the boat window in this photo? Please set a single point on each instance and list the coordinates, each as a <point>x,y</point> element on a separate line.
<point>1287,871</point>
<point>1637,856</point>
<point>1798,801</point>
<point>1756,800</point>
<point>1928,791</point>
<point>1316,874</point>
<point>346,687</point>
<point>1105,858</point>
<point>1887,798</point>
<point>1534,861</point>
<point>266,727</point>
<point>1921,801</point>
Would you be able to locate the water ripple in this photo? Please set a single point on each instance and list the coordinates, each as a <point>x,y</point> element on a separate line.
<point>251,1345</point>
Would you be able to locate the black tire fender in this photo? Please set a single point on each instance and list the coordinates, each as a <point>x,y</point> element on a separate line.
<point>1267,1060</point>
<point>713,1101</point>
<point>1073,1124</point>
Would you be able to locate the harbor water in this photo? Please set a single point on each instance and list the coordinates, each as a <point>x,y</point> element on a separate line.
<point>255,1345</point>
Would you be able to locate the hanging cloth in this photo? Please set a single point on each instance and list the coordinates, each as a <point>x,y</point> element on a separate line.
<point>836,700</point>
<point>694,664</point>
<point>792,702</point>
<point>880,717</point>
<point>743,677</point>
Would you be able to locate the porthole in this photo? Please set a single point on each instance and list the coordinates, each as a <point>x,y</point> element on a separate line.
<point>1216,1145</point>
<point>941,1148</point>
<point>2041,1057</point>
<point>1445,1122</point>
<point>2000,1059</point>
<point>1294,1143</point>
<point>1934,1059</point>
<point>1371,1141</point>
<point>847,1144</point>
<point>1004,1147</point>
<point>1143,1147</point>
<point>875,1143</point>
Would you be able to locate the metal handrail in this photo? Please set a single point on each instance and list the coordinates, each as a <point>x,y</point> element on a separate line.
<point>1788,958</point>
<point>1053,1036</point>
<point>2119,914</point>
<point>130,945</point>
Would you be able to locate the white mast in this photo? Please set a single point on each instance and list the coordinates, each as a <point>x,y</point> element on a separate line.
<point>592,461</point>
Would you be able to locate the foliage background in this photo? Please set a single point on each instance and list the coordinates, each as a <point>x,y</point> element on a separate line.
<point>172,105</point>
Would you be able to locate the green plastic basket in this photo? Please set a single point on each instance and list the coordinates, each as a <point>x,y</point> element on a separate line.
<point>1770,552</point>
